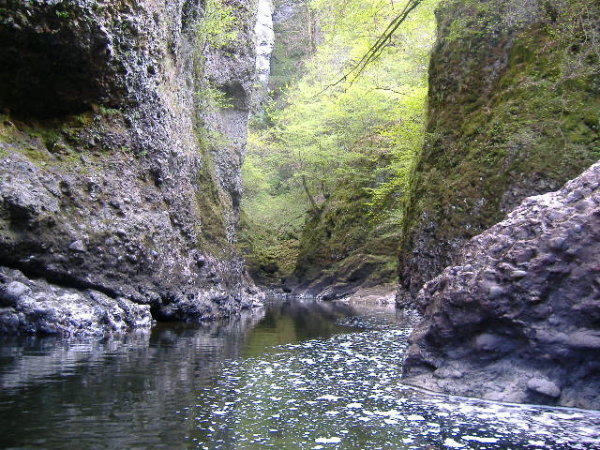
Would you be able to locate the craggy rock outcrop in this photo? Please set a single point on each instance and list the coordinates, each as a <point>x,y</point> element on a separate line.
<point>519,318</point>
<point>29,306</point>
<point>513,112</point>
<point>121,140</point>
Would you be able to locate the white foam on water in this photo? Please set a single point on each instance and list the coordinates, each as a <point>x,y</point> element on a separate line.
<point>329,397</point>
<point>415,417</point>
<point>355,405</point>
<point>483,440</point>
<point>452,443</point>
<point>331,440</point>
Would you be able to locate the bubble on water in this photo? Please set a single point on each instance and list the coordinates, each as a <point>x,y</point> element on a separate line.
<point>483,440</point>
<point>415,417</point>
<point>355,405</point>
<point>390,413</point>
<point>329,397</point>
<point>590,431</point>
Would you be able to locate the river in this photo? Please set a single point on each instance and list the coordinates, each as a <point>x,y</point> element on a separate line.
<point>297,375</point>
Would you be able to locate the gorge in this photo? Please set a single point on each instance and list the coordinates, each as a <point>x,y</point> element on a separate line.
<point>174,173</point>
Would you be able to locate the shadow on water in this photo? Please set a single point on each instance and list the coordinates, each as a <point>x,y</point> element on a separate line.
<point>298,374</point>
<point>127,390</point>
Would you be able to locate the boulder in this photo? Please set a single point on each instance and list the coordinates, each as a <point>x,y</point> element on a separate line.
<point>519,314</point>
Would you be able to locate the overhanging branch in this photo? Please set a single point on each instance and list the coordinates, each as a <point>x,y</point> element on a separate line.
<point>377,48</point>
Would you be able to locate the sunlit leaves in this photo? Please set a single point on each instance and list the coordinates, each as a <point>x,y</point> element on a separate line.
<point>364,133</point>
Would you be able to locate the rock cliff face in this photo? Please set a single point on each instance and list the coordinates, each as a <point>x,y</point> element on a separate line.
<point>513,111</point>
<point>518,319</point>
<point>296,31</point>
<point>341,251</point>
<point>121,140</point>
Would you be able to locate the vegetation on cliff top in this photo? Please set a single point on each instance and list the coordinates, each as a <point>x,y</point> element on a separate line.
<point>326,170</point>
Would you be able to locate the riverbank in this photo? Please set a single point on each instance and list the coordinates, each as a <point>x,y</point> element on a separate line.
<point>296,375</point>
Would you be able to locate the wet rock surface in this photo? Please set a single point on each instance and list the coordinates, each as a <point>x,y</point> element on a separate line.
<point>116,174</point>
<point>518,319</point>
<point>35,306</point>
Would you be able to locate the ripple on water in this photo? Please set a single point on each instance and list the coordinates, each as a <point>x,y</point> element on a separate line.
<point>345,392</point>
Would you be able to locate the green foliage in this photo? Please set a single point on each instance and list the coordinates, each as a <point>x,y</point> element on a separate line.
<point>217,27</point>
<point>63,14</point>
<point>342,156</point>
<point>208,96</point>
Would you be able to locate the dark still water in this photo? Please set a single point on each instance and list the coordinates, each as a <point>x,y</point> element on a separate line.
<point>297,375</point>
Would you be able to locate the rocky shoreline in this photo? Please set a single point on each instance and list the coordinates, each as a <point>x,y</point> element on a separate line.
<point>518,318</point>
<point>37,307</point>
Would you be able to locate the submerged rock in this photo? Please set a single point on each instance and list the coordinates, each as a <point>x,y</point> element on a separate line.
<point>519,316</point>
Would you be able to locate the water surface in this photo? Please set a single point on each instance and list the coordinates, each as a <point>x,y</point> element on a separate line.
<point>297,375</point>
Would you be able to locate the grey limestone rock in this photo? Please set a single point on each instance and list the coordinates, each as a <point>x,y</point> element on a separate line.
<point>534,337</point>
<point>544,387</point>
<point>115,175</point>
<point>35,306</point>
<point>12,292</point>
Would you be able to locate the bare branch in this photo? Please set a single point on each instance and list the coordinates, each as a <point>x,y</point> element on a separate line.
<point>377,48</point>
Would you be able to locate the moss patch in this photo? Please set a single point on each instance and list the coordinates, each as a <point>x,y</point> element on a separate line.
<point>514,111</point>
<point>346,241</point>
<point>63,143</point>
<point>211,201</point>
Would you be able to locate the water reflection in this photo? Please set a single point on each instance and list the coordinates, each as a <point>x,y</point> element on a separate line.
<point>295,321</point>
<point>296,375</point>
<point>119,392</point>
<point>132,390</point>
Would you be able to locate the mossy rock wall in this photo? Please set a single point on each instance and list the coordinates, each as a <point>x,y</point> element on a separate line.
<point>343,246</point>
<point>115,173</point>
<point>514,111</point>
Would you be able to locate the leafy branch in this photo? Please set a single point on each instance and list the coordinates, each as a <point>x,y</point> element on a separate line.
<point>377,48</point>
